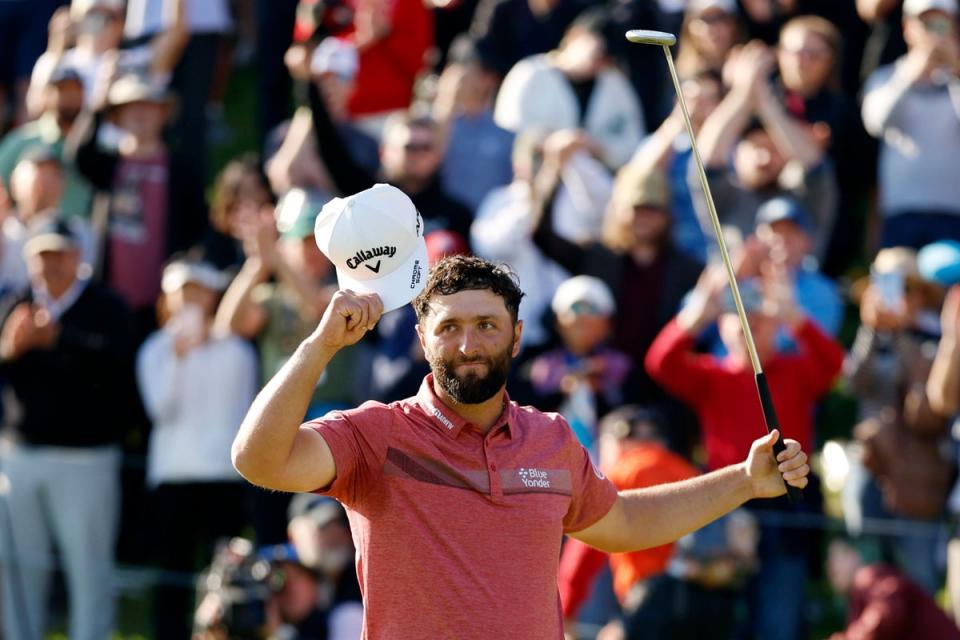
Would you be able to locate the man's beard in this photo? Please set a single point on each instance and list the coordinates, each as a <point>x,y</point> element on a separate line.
<point>472,388</point>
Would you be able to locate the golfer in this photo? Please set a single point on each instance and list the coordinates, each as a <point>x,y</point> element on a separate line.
<point>457,497</point>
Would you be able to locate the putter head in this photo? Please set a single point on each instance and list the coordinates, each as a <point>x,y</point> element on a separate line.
<point>643,36</point>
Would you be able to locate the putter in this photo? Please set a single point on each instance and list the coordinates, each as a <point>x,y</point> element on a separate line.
<point>666,40</point>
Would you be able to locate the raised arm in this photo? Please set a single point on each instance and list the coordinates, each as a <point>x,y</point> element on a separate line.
<point>943,384</point>
<point>271,449</point>
<point>644,518</point>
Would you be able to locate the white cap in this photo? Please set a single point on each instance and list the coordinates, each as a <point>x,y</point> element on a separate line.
<point>913,8</point>
<point>587,289</point>
<point>375,240</point>
<point>337,56</point>
<point>180,272</point>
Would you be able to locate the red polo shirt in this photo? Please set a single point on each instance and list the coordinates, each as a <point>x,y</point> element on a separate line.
<point>458,532</point>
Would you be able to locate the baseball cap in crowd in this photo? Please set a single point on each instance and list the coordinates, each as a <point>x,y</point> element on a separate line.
<point>180,272</point>
<point>940,262</point>
<point>64,73</point>
<point>375,240</point>
<point>914,8</point>
<point>784,208</point>
<point>50,235</point>
<point>135,88</point>
<point>646,188</point>
<point>297,212</point>
<point>583,295</point>
<point>336,56</point>
<point>319,509</point>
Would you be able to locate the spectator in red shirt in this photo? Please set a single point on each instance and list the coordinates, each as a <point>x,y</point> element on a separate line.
<point>883,603</point>
<point>722,392</point>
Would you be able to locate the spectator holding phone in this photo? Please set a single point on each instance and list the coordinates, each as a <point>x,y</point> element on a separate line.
<point>900,471</point>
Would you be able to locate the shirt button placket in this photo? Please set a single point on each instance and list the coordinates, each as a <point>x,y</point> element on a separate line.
<point>496,487</point>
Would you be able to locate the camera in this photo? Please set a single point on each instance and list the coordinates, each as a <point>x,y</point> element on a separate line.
<point>236,590</point>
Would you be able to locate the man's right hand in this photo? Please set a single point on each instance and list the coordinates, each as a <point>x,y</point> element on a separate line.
<point>348,318</point>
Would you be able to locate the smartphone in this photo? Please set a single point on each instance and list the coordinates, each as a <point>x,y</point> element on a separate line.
<point>889,286</point>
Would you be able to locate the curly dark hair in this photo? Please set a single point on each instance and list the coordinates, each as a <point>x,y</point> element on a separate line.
<point>466,273</point>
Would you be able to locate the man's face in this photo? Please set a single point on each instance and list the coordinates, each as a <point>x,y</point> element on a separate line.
<point>410,152</point>
<point>791,236</point>
<point>305,257</point>
<point>757,160</point>
<point>65,100</point>
<point>805,60</point>
<point>36,186</point>
<point>582,329</point>
<point>54,270</point>
<point>336,91</point>
<point>469,339</point>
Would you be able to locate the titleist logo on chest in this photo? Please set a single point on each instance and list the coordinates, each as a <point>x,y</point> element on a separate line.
<point>369,254</point>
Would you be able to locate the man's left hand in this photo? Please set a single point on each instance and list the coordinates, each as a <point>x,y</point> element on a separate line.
<point>766,476</point>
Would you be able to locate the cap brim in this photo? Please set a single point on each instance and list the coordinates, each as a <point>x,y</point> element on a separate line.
<point>46,242</point>
<point>395,289</point>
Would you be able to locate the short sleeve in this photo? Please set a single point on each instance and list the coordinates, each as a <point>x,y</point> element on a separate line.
<point>593,493</point>
<point>358,441</point>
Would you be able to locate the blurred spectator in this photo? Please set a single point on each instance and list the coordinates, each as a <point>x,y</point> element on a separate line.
<point>508,31</point>
<point>636,257</point>
<point>764,18</point>
<point>898,470</point>
<point>583,378</point>
<point>240,191</point>
<point>882,602</point>
<point>633,454</point>
<point>411,153</point>
<point>320,535</point>
<point>808,58</point>
<point>708,384</point>
<point>785,234</point>
<point>502,232</point>
<point>723,394</point>
<point>668,149</point>
<point>62,103</point>
<point>710,30</point>
<point>297,163</point>
<point>699,595</point>
<point>23,32</point>
<point>137,228</point>
<point>276,300</point>
<point>65,343</point>
<point>913,107</point>
<point>575,87</point>
<point>753,149</point>
<point>196,386</point>
<point>477,151</point>
<point>82,39</point>
<point>36,188</point>
<point>393,38</point>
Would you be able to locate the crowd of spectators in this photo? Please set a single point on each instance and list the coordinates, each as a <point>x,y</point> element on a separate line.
<point>146,294</point>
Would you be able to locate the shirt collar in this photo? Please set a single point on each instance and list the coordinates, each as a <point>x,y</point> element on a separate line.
<point>57,307</point>
<point>449,421</point>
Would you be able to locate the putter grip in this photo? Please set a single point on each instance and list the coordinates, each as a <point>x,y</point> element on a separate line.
<point>770,419</point>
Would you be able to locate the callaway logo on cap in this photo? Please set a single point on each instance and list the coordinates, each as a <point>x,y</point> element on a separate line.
<point>375,240</point>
